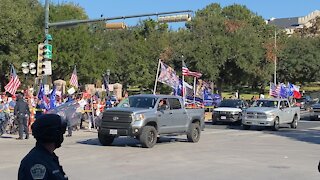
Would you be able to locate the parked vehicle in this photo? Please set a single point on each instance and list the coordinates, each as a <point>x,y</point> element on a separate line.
<point>271,113</point>
<point>305,102</point>
<point>315,112</point>
<point>229,110</point>
<point>146,117</point>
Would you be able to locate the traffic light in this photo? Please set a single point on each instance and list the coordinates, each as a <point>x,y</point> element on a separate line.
<point>174,18</point>
<point>44,54</point>
<point>116,25</point>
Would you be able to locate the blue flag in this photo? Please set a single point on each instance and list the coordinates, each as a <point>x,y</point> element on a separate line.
<point>290,89</point>
<point>41,92</point>
<point>53,98</point>
<point>42,96</point>
<point>283,91</point>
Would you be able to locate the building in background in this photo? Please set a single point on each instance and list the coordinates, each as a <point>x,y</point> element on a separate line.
<point>290,24</point>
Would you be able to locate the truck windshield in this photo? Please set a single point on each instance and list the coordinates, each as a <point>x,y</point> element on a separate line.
<point>230,103</point>
<point>142,102</point>
<point>265,103</point>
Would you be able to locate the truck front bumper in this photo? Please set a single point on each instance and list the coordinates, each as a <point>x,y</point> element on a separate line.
<point>315,115</point>
<point>120,131</point>
<point>258,122</point>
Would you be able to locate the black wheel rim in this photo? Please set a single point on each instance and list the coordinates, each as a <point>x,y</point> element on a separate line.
<point>151,137</point>
<point>195,133</point>
<point>276,124</point>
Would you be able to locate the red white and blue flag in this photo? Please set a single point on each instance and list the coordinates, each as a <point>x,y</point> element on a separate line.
<point>168,76</point>
<point>14,82</point>
<point>274,90</point>
<point>294,91</point>
<point>74,78</point>
<point>187,72</point>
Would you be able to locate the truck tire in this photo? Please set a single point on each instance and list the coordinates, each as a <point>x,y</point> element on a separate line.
<point>105,140</point>
<point>194,132</point>
<point>148,137</point>
<point>276,124</point>
<point>214,121</point>
<point>294,123</point>
<point>246,127</point>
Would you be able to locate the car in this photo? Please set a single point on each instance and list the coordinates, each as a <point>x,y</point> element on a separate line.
<point>315,112</point>
<point>305,102</point>
<point>271,113</point>
<point>147,117</point>
<point>229,110</point>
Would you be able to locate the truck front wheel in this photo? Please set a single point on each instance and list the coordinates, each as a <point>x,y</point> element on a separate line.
<point>193,134</point>
<point>148,137</point>
<point>276,124</point>
<point>105,140</point>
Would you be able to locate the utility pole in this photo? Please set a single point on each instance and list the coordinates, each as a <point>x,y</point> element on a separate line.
<point>275,57</point>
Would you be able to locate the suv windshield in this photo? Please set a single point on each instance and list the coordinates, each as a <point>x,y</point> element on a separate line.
<point>265,103</point>
<point>230,103</point>
<point>142,102</point>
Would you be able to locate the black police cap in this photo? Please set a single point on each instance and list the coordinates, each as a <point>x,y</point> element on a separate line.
<point>48,125</point>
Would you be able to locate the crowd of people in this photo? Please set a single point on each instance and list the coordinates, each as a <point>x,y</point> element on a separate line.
<point>18,112</point>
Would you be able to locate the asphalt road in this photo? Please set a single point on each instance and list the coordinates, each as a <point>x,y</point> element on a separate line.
<point>224,152</point>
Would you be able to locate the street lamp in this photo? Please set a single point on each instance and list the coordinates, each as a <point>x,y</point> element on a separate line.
<point>275,57</point>
<point>28,68</point>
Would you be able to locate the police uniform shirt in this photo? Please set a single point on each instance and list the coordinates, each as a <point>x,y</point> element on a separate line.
<point>39,163</point>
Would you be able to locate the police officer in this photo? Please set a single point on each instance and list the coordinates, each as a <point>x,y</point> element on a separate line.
<point>41,162</point>
<point>22,112</point>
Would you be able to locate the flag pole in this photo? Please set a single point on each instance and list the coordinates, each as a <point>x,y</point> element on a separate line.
<point>183,92</point>
<point>155,83</point>
<point>194,89</point>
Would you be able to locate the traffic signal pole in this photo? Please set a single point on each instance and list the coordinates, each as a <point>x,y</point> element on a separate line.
<point>47,24</point>
<point>77,22</point>
<point>46,32</point>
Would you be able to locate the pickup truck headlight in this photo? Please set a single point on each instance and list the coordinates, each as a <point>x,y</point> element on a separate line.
<point>271,115</point>
<point>138,117</point>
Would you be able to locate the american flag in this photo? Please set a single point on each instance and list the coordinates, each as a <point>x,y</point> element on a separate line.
<point>74,78</point>
<point>14,82</point>
<point>274,90</point>
<point>186,72</point>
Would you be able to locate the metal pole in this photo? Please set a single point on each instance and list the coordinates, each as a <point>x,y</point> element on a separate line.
<point>275,57</point>
<point>155,83</point>
<point>46,31</point>
<point>76,22</point>
<point>194,90</point>
<point>183,92</point>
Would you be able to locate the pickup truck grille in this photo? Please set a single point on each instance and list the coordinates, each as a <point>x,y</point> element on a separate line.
<point>254,115</point>
<point>116,120</point>
<point>316,109</point>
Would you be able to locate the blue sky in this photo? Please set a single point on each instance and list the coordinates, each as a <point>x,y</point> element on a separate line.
<point>265,8</point>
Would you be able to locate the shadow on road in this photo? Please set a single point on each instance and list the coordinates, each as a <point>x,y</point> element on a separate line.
<point>305,135</point>
<point>131,142</point>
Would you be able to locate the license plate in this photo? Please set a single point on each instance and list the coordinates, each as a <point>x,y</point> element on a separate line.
<point>318,116</point>
<point>113,131</point>
<point>223,117</point>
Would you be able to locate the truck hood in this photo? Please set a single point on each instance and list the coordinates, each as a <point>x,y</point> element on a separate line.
<point>261,109</point>
<point>227,109</point>
<point>129,109</point>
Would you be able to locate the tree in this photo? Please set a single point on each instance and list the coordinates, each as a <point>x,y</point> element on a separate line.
<point>20,29</point>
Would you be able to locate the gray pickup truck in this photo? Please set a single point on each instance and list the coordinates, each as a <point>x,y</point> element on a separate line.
<point>147,116</point>
<point>272,113</point>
